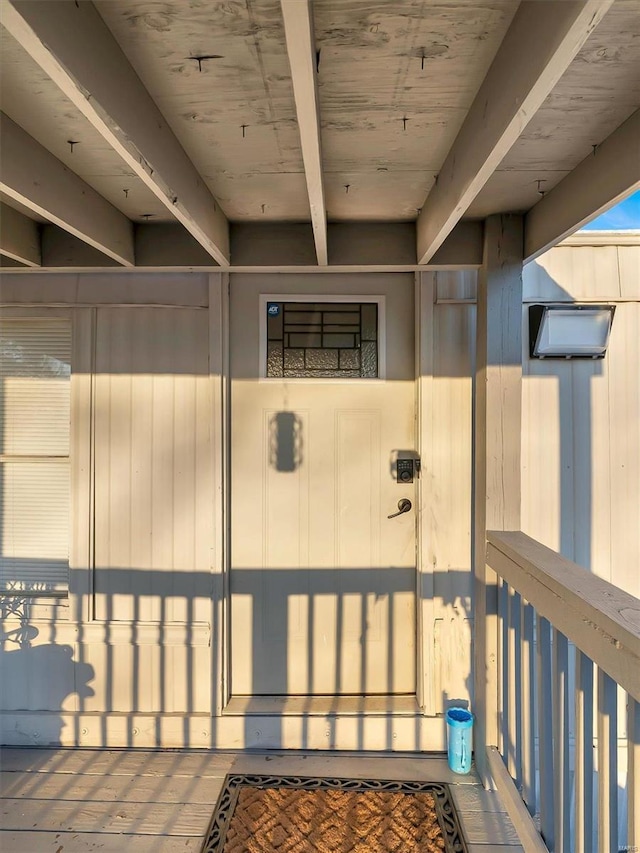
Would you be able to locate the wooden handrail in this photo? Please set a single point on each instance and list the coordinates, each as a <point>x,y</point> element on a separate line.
<point>598,617</point>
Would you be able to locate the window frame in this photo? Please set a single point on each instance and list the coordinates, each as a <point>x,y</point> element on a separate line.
<point>350,298</point>
<point>70,601</point>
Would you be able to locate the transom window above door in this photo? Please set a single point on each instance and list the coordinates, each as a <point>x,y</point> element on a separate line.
<point>322,340</point>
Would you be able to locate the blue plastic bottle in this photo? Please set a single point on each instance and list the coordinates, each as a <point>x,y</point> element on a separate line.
<point>459,739</point>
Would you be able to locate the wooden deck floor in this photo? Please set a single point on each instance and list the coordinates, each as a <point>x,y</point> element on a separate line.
<point>72,800</point>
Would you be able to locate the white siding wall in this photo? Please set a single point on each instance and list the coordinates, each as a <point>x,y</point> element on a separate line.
<point>132,644</point>
<point>156,501</point>
<point>153,506</point>
<point>153,495</point>
<point>581,420</point>
<point>581,432</point>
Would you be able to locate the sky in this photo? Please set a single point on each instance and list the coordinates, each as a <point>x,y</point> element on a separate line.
<point>621,217</point>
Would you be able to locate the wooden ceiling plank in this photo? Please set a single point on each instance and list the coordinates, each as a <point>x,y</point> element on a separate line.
<point>74,46</point>
<point>603,178</point>
<point>31,175</point>
<point>298,27</point>
<point>540,44</point>
<point>19,237</point>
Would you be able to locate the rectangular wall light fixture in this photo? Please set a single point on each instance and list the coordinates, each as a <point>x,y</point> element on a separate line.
<point>569,331</point>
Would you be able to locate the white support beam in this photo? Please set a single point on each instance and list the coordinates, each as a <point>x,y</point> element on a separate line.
<point>298,28</point>
<point>541,42</point>
<point>74,46</point>
<point>19,237</point>
<point>603,178</point>
<point>497,430</point>
<point>32,176</point>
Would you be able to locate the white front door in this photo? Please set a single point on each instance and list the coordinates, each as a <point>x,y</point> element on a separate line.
<point>322,406</point>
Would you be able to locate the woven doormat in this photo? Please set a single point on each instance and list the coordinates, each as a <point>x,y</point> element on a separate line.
<point>293,814</point>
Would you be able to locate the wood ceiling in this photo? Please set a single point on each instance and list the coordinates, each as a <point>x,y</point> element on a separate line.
<point>262,112</point>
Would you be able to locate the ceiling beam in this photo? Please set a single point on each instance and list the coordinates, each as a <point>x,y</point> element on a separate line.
<point>74,46</point>
<point>603,178</point>
<point>540,44</point>
<point>31,175</point>
<point>19,237</point>
<point>298,28</point>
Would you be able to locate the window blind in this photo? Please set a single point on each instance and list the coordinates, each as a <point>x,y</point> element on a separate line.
<point>35,409</point>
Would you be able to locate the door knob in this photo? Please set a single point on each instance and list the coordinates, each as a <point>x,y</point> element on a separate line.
<point>404,505</point>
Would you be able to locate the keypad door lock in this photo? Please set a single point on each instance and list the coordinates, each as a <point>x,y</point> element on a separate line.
<point>406,469</point>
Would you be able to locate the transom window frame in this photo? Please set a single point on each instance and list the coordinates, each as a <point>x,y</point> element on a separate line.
<point>347,298</point>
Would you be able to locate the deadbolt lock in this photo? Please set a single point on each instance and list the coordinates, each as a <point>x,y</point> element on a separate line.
<point>404,471</point>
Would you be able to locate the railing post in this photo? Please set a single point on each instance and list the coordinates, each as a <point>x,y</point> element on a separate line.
<point>607,763</point>
<point>584,754</point>
<point>560,727</point>
<point>633,782</point>
<point>497,418</point>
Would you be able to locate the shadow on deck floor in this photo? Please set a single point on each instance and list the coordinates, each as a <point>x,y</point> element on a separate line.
<point>139,801</point>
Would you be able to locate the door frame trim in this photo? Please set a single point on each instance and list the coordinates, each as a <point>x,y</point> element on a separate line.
<point>219,301</point>
<point>425,295</point>
<point>219,380</point>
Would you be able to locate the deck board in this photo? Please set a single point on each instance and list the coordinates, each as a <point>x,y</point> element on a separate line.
<point>138,789</point>
<point>115,762</point>
<point>141,801</point>
<point>96,816</point>
<point>473,798</point>
<point>74,842</point>
<point>489,828</point>
<point>422,769</point>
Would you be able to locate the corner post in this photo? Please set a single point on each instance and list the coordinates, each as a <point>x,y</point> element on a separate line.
<point>497,437</point>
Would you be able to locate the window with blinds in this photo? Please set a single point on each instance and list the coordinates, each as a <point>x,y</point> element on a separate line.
<point>35,410</point>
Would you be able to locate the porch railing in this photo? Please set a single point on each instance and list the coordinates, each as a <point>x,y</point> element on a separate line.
<point>568,667</point>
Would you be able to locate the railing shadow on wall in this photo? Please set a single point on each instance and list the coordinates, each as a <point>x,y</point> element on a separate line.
<point>38,671</point>
<point>100,697</point>
<point>109,632</point>
<point>111,678</point>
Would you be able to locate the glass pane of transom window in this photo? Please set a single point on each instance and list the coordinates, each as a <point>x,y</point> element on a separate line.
<point>322,340</point>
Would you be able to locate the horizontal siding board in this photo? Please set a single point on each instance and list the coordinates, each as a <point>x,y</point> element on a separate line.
<point>569,273</point>
<point>177,289</point>
<point>629,267</point>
